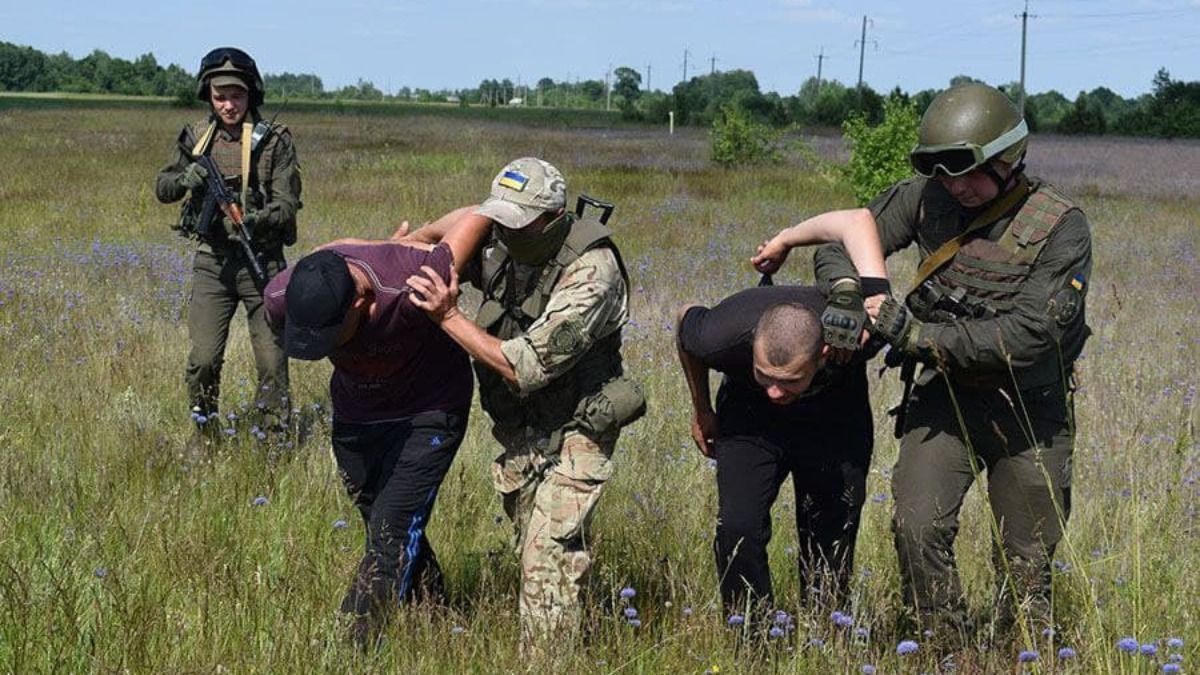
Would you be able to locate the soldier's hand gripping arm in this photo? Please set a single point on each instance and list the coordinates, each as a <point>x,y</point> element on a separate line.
<point>844,320</point>
<point>704,419</point>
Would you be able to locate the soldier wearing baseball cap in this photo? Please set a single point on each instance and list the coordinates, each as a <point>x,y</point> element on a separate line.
<point>257,161</point>
<point>546,342</point>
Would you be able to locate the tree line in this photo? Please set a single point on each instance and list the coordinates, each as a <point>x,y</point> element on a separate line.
<point>1171,109</point>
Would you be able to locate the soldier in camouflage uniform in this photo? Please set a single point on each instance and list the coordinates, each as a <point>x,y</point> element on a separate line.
<point>546,343</point>
<point>995,321</point>
<point>258,163</point>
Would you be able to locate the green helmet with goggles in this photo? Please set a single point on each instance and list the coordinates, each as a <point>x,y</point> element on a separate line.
<point>964,128</point>
<point>229,66</point>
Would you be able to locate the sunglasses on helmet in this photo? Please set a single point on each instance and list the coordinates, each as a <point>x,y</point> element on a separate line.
<point>237,57</point>
<point>957,159</point>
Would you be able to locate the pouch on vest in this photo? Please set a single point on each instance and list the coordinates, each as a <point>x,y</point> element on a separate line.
<point>618,404</point>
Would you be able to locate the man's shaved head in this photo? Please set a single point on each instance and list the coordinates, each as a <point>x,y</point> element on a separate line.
<point>787,351</point>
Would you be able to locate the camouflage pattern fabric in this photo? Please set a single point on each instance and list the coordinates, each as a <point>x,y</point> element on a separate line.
<point>550,506</point>
<point>589,302</point>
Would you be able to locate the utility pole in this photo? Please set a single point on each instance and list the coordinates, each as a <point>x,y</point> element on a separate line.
<point>712,67</point>
<point>1024,16</point>
<point>648,78</point>
<point>820,62</point>
<point>685,58</point>
<point>608,89</point>
<point>862,49</point>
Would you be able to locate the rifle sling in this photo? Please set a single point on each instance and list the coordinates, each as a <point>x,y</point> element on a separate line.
<point>946,251</point>
<point>247,134</point>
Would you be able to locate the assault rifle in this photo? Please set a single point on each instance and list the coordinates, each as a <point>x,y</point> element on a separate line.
<point>219,197</point>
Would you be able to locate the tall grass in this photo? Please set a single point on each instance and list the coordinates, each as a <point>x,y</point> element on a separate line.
<point>118,552</point>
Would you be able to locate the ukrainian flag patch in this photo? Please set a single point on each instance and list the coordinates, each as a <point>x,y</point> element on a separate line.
<point>514,180</point>
<point>1078,282</point>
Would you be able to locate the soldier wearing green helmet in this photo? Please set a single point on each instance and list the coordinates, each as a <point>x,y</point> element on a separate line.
<point>987,339</point>
<point>258,164</point>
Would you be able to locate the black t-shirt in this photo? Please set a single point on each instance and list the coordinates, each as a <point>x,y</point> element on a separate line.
<point>721,337</point>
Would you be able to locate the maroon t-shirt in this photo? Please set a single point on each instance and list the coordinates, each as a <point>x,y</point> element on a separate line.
<point>399,363</point>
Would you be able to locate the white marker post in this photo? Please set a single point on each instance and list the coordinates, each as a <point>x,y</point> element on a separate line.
<point>671,123</point>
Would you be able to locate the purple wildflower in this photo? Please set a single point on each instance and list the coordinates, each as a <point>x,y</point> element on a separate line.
<point>1066,653</point>
<point>627,593</point>
<point>816,642</point>
<point>1170,667</point>
<point>340,524</point>
<point>261,500</point>
<point>1027,656</point>
<point>1127,644</point>
<point>842,620</point>
<point>868,669</point>
<point>736,620</point>
<point>630,613</point>
<point>635,623</point>
<point>782,618</point>
<point>776,632</point>
<point>1149,649</point>
<point>907,647</point>
<point>687,611</point>
<point>1175,658</point>
<point>1175,643</point>
<point>100,572</point>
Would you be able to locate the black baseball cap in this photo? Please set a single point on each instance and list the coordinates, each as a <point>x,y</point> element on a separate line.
<point>319,294</point>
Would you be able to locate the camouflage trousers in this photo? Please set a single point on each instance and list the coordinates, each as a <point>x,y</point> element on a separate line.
<point>1023,441</point>
<point>221,281</point>
<point>550,505</point>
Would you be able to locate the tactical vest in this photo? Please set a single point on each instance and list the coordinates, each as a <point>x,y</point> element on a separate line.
<point>983,278</point>
<point>510,307</point>
<point>228,156</point>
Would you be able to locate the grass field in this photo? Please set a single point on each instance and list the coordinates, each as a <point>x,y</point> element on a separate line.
<point>118,554</point>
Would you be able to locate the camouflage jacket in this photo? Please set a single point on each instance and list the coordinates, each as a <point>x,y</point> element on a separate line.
<point>1030,310</point>
<point>561,354</point>
<point>274,190</point>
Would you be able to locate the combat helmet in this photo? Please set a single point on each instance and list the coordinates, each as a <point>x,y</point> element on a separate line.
<point>964,127</point>
<point>224,62</point>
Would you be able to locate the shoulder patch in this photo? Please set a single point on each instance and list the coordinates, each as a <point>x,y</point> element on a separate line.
<point>1064,306</point>
<point>566,338</point>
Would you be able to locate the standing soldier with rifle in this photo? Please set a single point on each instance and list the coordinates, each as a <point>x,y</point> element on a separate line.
<point>993,324</point>
<point>241,180</point>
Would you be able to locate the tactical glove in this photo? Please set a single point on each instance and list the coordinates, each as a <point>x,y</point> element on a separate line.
<point>844,317</point>
<point>896,325</point>
<point>249,218</point>
<point>193,176</point>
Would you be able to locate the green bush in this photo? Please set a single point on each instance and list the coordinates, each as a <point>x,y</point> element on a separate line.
<point>738,140</point>
<point>879,154</point>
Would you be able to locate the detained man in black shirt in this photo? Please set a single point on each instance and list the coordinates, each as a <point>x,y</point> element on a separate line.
<point>789,403</point>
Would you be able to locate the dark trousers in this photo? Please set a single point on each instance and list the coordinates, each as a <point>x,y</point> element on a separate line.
<point>827,451</point>
<point>219,283</point>
<point>1024,442</point>
<point>392,471</point>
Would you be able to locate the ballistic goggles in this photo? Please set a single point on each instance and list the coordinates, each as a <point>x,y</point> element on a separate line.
<point>957,159</point>
<point>240,59</point>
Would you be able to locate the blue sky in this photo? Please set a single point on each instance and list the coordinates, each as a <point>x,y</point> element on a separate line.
<point>1073,44</point>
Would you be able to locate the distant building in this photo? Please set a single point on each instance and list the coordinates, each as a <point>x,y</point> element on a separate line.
<point>516,101</point>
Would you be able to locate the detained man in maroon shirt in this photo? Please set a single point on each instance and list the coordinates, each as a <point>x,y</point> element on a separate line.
<point>401,391</point>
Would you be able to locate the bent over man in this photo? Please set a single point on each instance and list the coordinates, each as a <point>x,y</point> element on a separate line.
<point>258,164</point>
<point>996,321</point>
<point>401,392</point>
<point>547,348</point>
<point>784,407</point>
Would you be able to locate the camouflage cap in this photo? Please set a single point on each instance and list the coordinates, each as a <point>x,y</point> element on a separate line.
<point>524,190</point>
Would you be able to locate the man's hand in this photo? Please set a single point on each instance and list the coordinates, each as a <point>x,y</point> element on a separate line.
<point>704,431</point>
<point>430,293</point>
<point>249,218</point>
<point>401,232</point>
<point>193,176</point>
<point>897,326</point>
<point>770,256</point>
<point>843,320</point>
